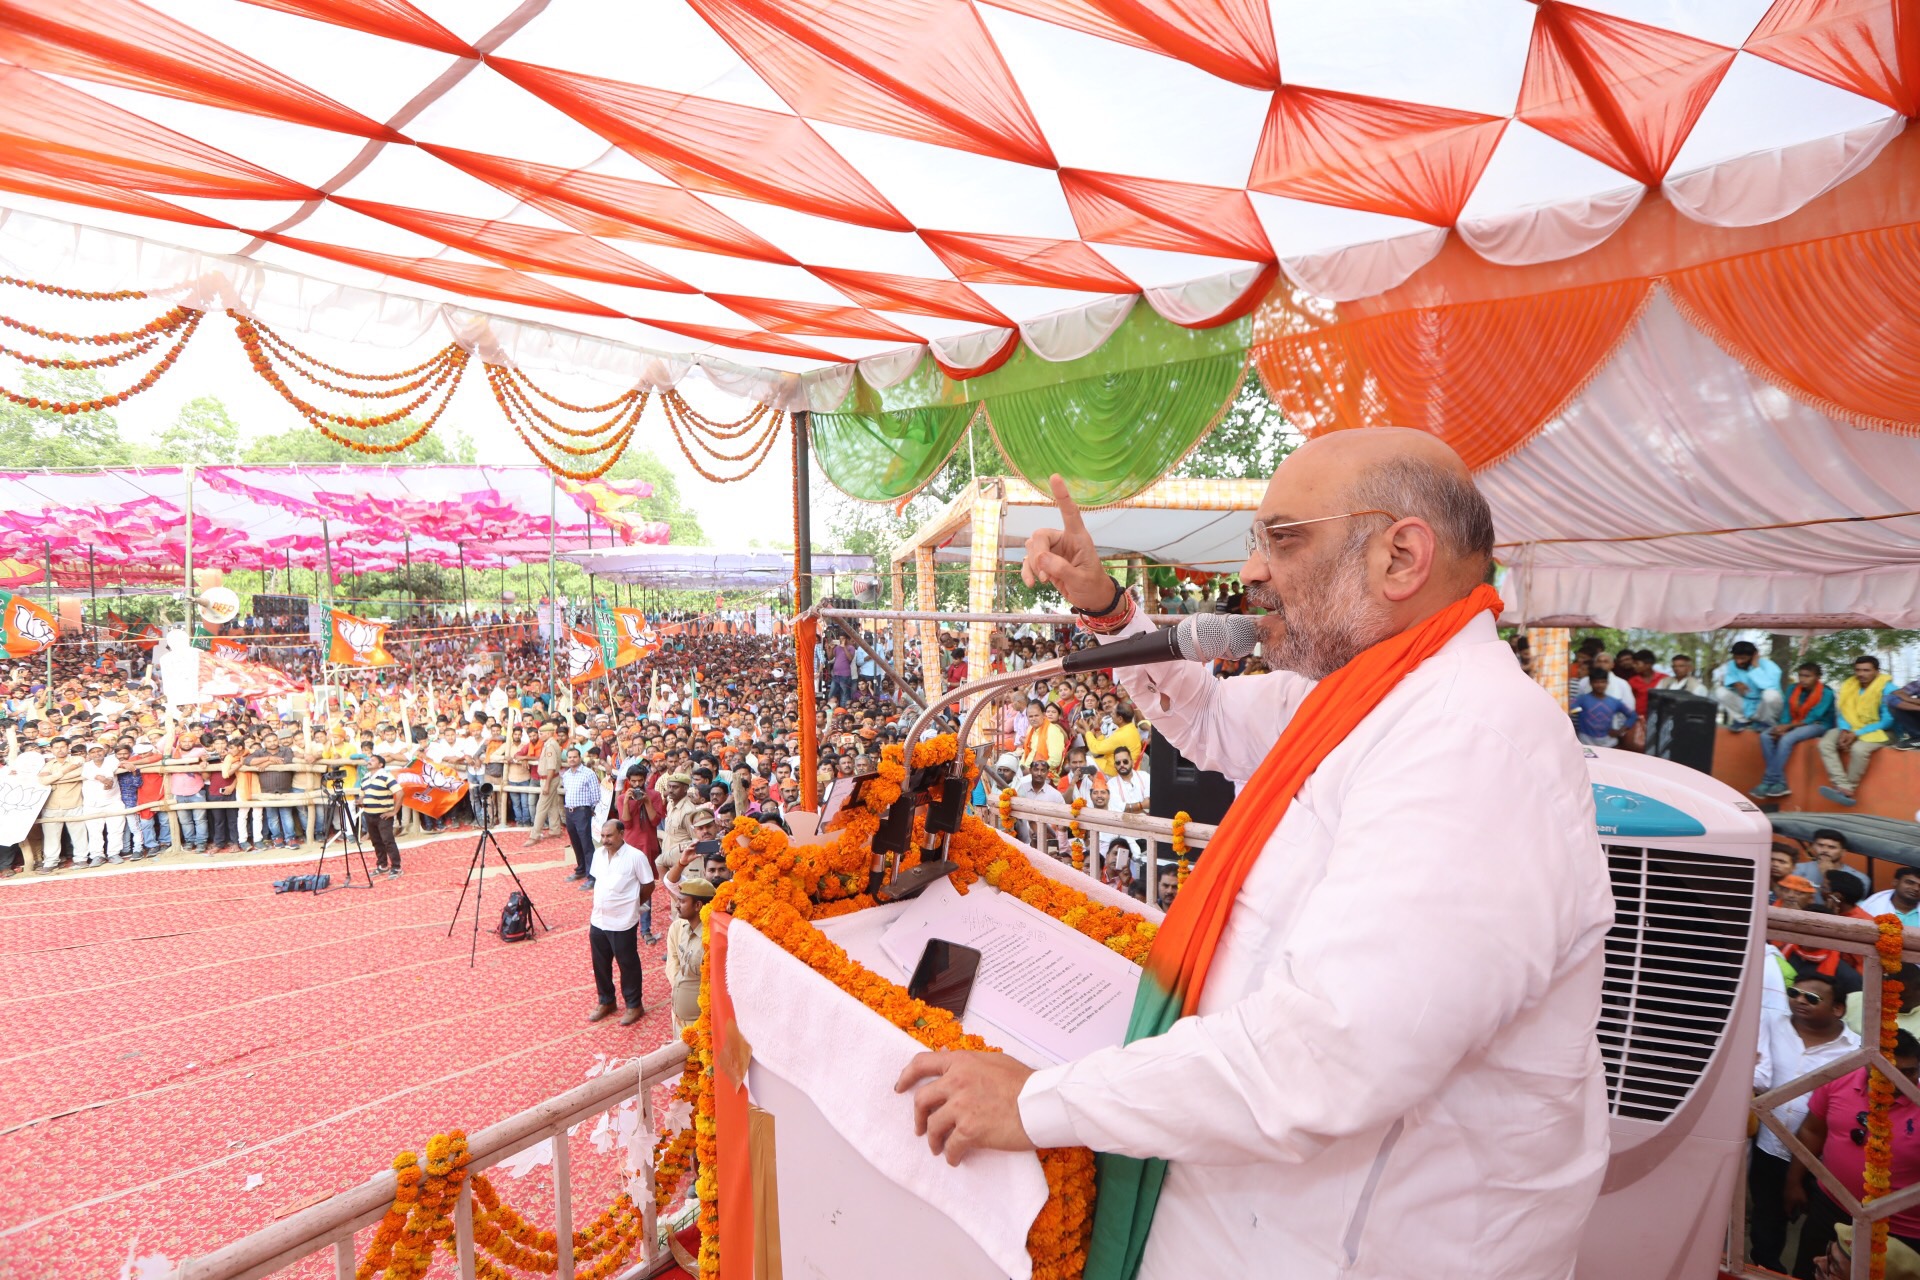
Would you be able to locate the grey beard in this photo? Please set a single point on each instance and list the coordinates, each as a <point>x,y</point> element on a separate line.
<point>1329,623</point>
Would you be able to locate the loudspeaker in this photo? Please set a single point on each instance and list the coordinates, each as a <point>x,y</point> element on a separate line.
<point>1178,785</point>
<point>1680,728</point>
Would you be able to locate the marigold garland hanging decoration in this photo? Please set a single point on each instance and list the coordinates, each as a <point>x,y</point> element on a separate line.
<point>1183,865</point>
<point>1877,1177</point>
<point>783,889</point>
<point>1006,808</point>
<point>1077,845</point>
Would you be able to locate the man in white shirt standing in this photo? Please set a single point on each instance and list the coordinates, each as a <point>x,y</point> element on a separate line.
<point>1126,793</point>
<point>99,793</point>
<point>620,879</point>
<point>1391,1068</point>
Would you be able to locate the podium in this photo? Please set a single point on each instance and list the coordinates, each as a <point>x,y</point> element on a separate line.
<point>841,1187</point>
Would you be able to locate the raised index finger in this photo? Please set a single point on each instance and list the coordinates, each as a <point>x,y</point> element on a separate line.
<point>1069,509</point>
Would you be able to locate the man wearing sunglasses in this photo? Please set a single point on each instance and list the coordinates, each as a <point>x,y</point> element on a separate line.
<point>1836,1130</point>
<point>1812,1035</point>
<point>1390,968</point>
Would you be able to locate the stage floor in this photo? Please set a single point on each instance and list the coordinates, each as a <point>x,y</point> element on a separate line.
<point>189,1056</point>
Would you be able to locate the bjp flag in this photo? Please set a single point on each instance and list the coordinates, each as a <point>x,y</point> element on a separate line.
<point>584,662</point>
<point>357,642</point>
<point>228,647</point>
<point>150,636</point>
<point>636,638</point>
<point>28,627</point>
<point>429,787</point>
<point>116,626</point>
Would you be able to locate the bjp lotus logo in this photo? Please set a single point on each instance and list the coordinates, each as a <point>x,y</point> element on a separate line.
<point>580,659</point>
<point>361,637</point>
<point>436,777</point>
<point>29,624</point>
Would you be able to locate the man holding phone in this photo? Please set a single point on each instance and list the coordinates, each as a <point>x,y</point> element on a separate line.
<point>1414,831</point>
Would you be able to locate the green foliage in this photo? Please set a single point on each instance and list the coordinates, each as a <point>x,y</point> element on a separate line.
<point>203,433</point>
<point>1249,442</point>
<point>37,438</point>
<point>666,503</point>
<point>305,445</point>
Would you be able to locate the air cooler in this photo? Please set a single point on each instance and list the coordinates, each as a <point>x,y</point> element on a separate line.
<point>1680,1013</point>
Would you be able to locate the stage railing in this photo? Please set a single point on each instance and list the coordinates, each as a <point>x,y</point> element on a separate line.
<point>330,1224</point>
<point>1854,937</point>
<point>1048,822</point>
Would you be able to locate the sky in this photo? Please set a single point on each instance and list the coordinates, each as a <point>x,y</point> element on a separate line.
<point>758,509</point>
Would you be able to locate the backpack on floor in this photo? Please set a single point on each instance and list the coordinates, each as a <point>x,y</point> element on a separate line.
<point>516,918</point>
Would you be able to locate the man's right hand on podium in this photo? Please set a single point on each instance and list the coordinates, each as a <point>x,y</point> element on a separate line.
<point>967,1102</point>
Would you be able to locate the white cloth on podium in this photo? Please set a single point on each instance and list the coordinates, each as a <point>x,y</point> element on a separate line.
<point>845,1059</point>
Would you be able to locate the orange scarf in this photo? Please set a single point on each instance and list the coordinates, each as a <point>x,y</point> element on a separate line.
<point>1182,953</point>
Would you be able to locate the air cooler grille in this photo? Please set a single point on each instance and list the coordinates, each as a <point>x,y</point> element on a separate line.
<point>1679,941</point>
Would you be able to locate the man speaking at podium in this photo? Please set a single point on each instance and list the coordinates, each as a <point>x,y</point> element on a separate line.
<point>1363,1044</point>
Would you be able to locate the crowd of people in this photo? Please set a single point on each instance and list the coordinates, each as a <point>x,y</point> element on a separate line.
<point>1847,719</point>
<point>1811,1015</point>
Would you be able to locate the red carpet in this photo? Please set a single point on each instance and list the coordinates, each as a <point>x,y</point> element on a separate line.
<point>171,1034</point>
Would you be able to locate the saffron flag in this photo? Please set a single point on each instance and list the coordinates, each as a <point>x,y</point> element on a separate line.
<point>357,642</point>
<point>28,627</point>
<point>228,647</point>
<point>116,626</point>
<point>429,787</point>
<point>583,656</point>
<point>149,636</point>
<point>636,637</point>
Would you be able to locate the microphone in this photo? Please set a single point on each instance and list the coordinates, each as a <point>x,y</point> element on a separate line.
<point>1200,638</point>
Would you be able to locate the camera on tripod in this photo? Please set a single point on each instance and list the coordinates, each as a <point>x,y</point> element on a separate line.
<point>483,789</point>
<point>334,777</point>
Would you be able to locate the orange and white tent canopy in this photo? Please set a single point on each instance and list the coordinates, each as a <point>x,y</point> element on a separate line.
<point>773,186</point>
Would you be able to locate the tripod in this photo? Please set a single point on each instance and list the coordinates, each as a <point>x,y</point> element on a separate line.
<point>483,812</point>
<point>340,826</point>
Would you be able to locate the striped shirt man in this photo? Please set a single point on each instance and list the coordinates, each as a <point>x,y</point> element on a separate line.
<point>379,792</point>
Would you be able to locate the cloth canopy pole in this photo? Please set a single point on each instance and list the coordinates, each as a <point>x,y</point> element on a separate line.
<point>326,644</point>
<point>46,545</point>
<point>413,604</point>
<point>93,607</point>
<point>466,602</point>
<point>187,472</point>
<point>553,595</point>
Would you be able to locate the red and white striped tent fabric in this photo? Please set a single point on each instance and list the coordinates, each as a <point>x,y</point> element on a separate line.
<point>778,185</point>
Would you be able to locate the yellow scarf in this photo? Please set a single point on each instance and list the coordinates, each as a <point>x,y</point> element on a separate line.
<point>1862,706</point>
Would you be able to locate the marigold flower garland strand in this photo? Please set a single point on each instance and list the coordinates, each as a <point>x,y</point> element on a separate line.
<point>1180,821</point>
<point>1877,1177</point>
<point>1078,845</point>
<point>1006,808</point>
<point>782,889</point>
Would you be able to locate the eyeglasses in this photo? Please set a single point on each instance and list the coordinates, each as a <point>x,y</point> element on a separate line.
<point>1804,997</point>
<point>1260,533</point>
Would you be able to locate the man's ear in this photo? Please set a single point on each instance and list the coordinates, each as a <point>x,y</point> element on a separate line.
<point>1410,553</point>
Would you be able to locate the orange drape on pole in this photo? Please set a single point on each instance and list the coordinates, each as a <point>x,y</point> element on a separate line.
<point>805,632</point>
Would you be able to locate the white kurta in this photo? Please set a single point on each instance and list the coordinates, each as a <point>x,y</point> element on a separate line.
<point>1393,1071</point>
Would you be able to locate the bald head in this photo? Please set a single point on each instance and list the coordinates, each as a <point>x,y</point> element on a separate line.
<point>1399,533</point>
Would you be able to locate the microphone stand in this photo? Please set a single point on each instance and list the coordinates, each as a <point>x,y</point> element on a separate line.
<point>943,815</point>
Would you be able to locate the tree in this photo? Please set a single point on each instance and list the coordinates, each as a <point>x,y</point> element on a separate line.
<point>202,433</point>
<point>305,445</point>
<point>666,504</point>
<point>39,438</point>
<point>1249,441</point>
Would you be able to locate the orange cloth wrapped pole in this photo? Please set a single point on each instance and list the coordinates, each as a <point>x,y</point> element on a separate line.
<point>805,630</point>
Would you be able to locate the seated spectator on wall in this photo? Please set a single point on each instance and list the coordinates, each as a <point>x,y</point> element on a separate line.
<point>1903,706</point>
<point>1860,729</point>
<point>1749,688</point>
<point>1810,714</point>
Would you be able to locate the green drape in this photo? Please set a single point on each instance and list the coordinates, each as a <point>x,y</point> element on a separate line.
<point>1111,422</point>
<point>883,457</point>
<point>1113,435</point>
